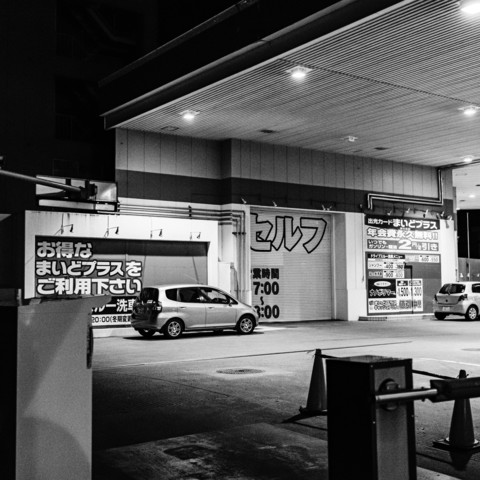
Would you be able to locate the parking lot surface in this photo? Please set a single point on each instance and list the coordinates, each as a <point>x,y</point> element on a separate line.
<point>226,406</point>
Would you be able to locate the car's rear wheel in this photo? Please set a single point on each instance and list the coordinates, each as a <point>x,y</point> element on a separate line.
<point>245,325</point>
<point>440,316</point>
<point>146,333</point>
<point>173,328</point>
<point>471,313</point>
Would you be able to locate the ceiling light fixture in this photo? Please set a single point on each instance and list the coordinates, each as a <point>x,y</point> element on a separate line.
<point>189,114</point>
<point>299,72</point>
<point>470,6</point>
<point>470,110</point>
<point>468,159</point>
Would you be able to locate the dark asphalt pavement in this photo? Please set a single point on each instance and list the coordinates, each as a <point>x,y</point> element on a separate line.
<point>221,405</point>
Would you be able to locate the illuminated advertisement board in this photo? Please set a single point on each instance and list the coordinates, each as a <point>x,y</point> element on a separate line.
<point>74,267</point>
<point>80,267</point>
<point>402,264</point>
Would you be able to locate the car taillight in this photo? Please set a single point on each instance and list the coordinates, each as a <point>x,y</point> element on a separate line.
<point>435,297</point>
<point>158,307</point>
<point>461,298</point>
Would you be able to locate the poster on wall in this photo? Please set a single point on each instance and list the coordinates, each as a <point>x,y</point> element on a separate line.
<point>291,265</point>
<point>74,267</point>
<point>402,264</point>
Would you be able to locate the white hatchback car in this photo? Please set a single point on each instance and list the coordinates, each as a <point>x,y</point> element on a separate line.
<point>173,309</point>
<point>457,298</point>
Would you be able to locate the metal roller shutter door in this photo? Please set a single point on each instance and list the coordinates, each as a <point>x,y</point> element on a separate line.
<point>291,259</point>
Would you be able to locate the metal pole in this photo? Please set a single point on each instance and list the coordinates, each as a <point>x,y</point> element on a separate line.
<point>468,245</point>
<point>420,394</point>
<point>48,183</point>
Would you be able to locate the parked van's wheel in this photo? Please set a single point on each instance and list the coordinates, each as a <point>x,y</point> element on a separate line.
<point>146,333</point>
<point>471,313</point>
<point>173,328</point>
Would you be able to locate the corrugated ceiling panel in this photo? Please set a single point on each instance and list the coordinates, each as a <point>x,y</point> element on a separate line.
<point>395,81</point>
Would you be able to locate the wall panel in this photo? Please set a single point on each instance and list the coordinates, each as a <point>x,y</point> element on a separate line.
<point>349,172</point>
<point>417,180</point>
<point>184,156</point>
<point>280,163</point>
<point>358,173</point>
<point>397,179</point>
<point>246,160</point>
<point>266,162</point>
<point>168,155</point>
<point>339,171</point>
<point>377,175</point>
<point>213,152</point>
<point>303,178</point>
<point>136,151</point>
<point>387,170</point>
<point>255,152</point>
<point>329,170</point>
<point>293,165</point>
<point>305,167</point>
<point>121,153</point>
<point>199,157</point>
<point>152,152</point>
<point>318,168</point>
<point>408,179</point>
<point>367,173</point>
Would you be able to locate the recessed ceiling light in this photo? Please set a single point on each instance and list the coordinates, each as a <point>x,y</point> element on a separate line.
<point>470,6</point>
<point>189,114</point>
<point>299,72</point>
<point>469,110</point>
<point>468,159</point>
<point>169,128</point>
<point>471,196</point>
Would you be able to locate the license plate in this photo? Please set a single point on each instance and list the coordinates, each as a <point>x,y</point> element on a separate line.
<point>446,309</point>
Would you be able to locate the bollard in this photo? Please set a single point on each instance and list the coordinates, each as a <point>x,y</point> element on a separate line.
<point>384,434</point>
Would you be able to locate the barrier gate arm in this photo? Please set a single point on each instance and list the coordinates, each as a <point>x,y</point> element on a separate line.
<point>84,193</point>
<point>439,391</point>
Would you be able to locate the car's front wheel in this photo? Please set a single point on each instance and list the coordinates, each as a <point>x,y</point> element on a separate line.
<point>173,329</point>
<point>471,313</point>
<point>146,333</point>
<point>245,325</point>
<point>440,316</point>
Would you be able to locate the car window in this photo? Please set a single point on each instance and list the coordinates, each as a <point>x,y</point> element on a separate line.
<point>215,296</point>
<point>476,288</point>
<point>149,294</point>
<point>171,294</point>
<point>191,295</point>
<point>452,288</point>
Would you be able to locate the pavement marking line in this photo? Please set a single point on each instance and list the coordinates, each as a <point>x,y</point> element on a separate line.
<point>269,329</point>
<point>449,361</point>
<point>162,362</point>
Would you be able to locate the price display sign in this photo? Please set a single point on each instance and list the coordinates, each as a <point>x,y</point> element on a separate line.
<point>402,264</point>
